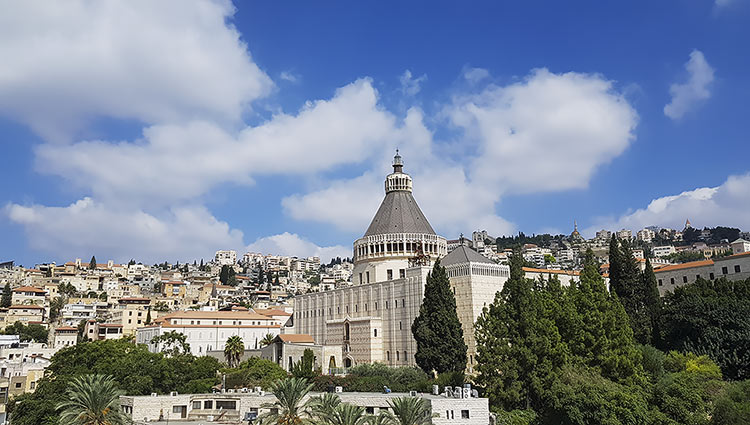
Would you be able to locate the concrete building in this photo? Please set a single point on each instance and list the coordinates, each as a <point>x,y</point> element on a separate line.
<point>29,295</point>
<point>209,330</point>
<point>371,319</point>
<point>64,336</point>
<point>739,246</point>
<point>733,267</point>
<point>663,251</point>
<point>235,407</point>
<point>288,349</point>
<point>226,258</point>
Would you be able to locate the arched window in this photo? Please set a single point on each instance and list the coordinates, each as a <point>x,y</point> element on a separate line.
<point>346,331</point>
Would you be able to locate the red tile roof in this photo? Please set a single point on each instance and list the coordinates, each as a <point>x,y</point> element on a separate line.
<point>692,264</point>
<point>29,289</point>
<point>298,338</point>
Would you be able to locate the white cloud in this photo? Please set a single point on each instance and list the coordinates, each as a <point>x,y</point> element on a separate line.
<point>725,205</point>
<point>88,227</point>
<point>288,76</point>
<point>548,132</point>
<point>411,86</point>
<point>686,95</point>
<point>66,63</point>
<point>180,162</point>
<point>476,75</point>
<point>293,245</point>
<point>722,3</point>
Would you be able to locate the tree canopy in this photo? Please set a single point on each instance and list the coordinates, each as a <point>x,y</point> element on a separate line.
<point>437,330</point>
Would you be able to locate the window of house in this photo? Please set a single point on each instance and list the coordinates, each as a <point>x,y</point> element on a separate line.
<point>386,305</point>
<point>356,308</point>
<point>370,410</point>
<point>388,355</point>
<point>196,405</point>
<point>367,274</point>
<point>376,305</point>
<point>660,283</point>
<point>671,280</point>
<point>684,279</point>
<point>402,273</point>
<point>737,268</point>
<point>389,272</point>
<point>724,270</point>
<point>208,404</point>
<point>395,303</point>
<point>397,356</point>
<point>464,414</point>
<point>375,333</point>
<point>226,404</point>
<point>711,276</point>
<point>697,277</point>
<point>399,326</point>
<point>18,385</point>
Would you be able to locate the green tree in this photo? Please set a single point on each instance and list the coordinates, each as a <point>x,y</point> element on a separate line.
<point>599,335</point>
<point>55,306</point>
<point>233,350</point>
<point>304,368</point>
<point>288,407</point>
<point>267,340</point>
<point>31,332</point>
<point>92,400</point>
<point>411,411</point>
<point>224,274</point>
<point>92,263</point>
<point>519,347</point>
<point>254,372</point>
<point>711,317</point>
<point>261,277</point>
<point>347,414</point>
<point>172,343</point>
<point>437,330</point>
<point>324,405</point>
<point>733,406</point>
<point>161,307</point>
<point>7,298</point>
<point>231,277</point>
<point>148,316</point>
<point>651,303</point>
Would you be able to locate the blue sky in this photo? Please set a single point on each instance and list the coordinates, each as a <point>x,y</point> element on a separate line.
<point>167,131</point>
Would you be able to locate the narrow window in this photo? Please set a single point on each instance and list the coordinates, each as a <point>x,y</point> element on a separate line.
<point>660,282</point>
<point>389,272</point>
<point>375,333</point>
<point>711,276</point>
<point>684,279</point>
<point>724,270</point>
<point>737,268</point>
<point>671,280</point>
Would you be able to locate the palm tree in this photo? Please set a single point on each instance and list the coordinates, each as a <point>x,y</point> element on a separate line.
<point>411,411</point>
<point>92,400</point>
<point>233,350</point>
<point>348,414</point>
<point>267,340</point>
<point>324,405</point>
<point>289,408</point>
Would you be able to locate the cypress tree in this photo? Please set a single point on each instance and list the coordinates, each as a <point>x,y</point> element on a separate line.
<point>518,335</point>
<point>7,296</point>
<point>651,302</point>
<point>615,263</point>
<point>231,276</point>
<point>634,292</point>
<point>600,335</point>
<point>437,330</point>
<point>224,274</point>
<point>92,263</point>
<point>148,316</point>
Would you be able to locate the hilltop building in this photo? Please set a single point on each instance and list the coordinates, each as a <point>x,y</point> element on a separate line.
<point>371,320</point>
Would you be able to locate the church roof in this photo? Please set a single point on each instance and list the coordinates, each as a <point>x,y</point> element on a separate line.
<point>464,254</point>
<point>399,213</point>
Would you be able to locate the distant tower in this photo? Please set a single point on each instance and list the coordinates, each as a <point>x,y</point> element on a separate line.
<point>687,224</point>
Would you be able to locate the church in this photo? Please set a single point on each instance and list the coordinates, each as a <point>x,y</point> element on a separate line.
<point>371,320</point>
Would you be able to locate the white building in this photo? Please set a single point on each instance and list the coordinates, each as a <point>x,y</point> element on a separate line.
<point>209,330</point>
<point>371,320</point>
<point>645,235</point>
<point>663,251</point>
<point>733,267</point>
<point>226,258</point>
<point>739,246</point>
<point>624,234</point>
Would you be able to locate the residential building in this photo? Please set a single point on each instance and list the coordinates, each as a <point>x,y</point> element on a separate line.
<point>243,405</point>
<point>645,235</point>
<point>624,234</point>
<point>209,330</point>
<point>663,251</point>
<point>226,258</point>
<point>733,267</point>
<point>739,246</point>
<point>29,295</point>
<point>64,336</point>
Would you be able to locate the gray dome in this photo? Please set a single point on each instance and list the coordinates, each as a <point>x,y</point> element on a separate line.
<point>399,213</point>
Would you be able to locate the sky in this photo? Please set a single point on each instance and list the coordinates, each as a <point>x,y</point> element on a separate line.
<point>164,131</point>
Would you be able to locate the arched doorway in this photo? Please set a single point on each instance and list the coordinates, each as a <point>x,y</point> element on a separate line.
<point>332,362</point>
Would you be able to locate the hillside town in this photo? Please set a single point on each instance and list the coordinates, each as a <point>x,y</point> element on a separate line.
<point>276,304</point>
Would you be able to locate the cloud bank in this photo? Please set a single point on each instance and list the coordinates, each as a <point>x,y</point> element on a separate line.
<point>685,96</point>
